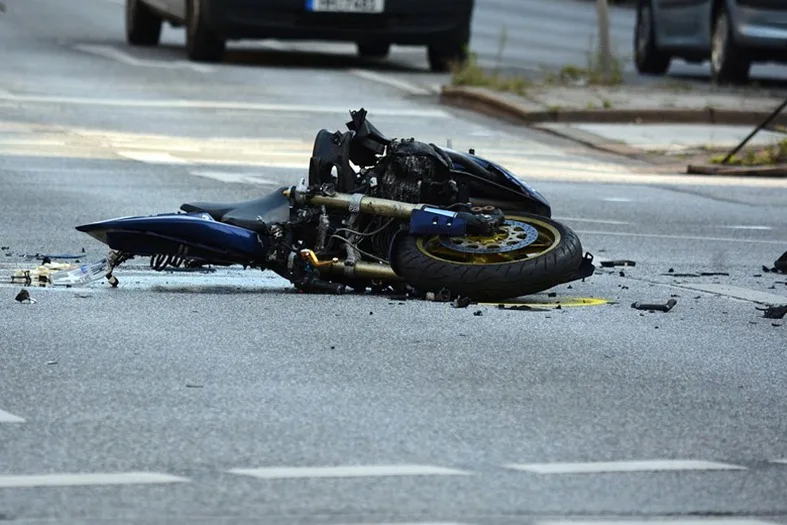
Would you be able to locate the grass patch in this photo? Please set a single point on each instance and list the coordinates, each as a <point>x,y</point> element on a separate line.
<point>760,156</point>
<point>470,73</point>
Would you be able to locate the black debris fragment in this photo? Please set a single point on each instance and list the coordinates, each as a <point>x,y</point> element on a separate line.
<point>478,313</point>
<point>674,295</point>
<point>570,287</point>
<point>619,262</point>
<point>46,260</point>
<point>757,275</point>
<point>190,385</point>
<point>709,274</point>
<point>776,324</point>
<point>24,296</point>
<point>673,274</point>
<point>5,247</point>
<point>765,269</point>
<point>622,273</point>
<point>52,362</point>
<point>461,302</point>
<point>781,263</point>
<point>552,294</point>
<point>522,307</point>
<point>655,307</point>
<point>671,270</point>
<point>774,312</point>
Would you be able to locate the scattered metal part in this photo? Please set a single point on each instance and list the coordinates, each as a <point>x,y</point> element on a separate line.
<point>461,302</point>
<point>774,312</point>
<point>620,262</point>
<point>655,307</point>
<point>52,362</point>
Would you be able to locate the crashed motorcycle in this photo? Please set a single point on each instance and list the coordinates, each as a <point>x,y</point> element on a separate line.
<point>374,213</point>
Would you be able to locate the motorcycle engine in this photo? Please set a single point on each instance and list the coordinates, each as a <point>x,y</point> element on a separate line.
<point>414,172</point>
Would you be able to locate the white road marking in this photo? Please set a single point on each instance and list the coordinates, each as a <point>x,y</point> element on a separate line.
<point>152,157</point>
<point>64,480</point>
<point>243,178</point>
<point>597,221</point>
<point>599,467</point>
<point>748,227</point>
<point>5,417</point>
<point>215,104</point>
<point>125,58</point>
<point>390,81</point>
<point>744,294</point>
<point>347,471</point>
<point>679,237</point>
<point>616,199</point>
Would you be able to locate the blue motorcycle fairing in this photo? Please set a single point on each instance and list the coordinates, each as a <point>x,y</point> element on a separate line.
<point>190,235</point>
<point>528,191</point>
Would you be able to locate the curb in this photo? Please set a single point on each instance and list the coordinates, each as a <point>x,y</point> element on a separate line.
<point>489,103</point>
<point>777,171</point>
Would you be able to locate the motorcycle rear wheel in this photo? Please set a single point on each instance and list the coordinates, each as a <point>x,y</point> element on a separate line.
<point>529,254</point>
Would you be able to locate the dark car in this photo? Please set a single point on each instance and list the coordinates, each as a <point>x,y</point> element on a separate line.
<point>732,34</point>
<point>441,25</point>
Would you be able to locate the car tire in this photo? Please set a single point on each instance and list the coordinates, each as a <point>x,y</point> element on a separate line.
<point>143,26</point>
<point>374,49</point>
<point>449,51</point>
<point>203,44</point>
<point>729,61</point>
<point>647,56</point>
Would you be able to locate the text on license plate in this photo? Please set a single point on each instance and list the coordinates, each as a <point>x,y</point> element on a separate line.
<point>346,6</point>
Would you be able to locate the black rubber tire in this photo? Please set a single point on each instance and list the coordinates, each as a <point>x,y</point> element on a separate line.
<point>449,51</point>
<point>143,26</point>
<point>202,43</point>
<point>490,282</point>
<point>374,49</point>
<point>647,56</point>
<point>733,63</point>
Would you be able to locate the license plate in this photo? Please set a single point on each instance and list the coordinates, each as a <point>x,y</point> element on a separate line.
<point>346,6</point>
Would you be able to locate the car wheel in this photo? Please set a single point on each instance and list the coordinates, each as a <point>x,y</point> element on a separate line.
<point>649,59</point>
<point>729,62</point>
<point>143,26</point>
<point>202,43</point>
<point>374,49</point>
<point>452,50</point>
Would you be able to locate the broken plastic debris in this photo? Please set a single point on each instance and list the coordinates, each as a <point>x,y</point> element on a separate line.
<point>655,307</point>
<point>82,274</point>
<point>620,262</point>
<point>774,312</point>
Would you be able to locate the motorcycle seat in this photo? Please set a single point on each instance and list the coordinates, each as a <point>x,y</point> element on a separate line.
<point>215,209</point>
<point>274,207</point>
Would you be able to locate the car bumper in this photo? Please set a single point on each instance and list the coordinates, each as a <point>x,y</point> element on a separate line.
<point>415,22</point>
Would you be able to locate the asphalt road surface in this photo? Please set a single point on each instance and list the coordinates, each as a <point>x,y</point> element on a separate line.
<point>226,398</point>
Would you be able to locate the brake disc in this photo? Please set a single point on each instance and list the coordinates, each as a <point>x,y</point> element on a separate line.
<point>511,236</point>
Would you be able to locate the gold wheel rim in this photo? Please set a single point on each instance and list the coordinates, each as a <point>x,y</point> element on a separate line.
<point>548,239</point>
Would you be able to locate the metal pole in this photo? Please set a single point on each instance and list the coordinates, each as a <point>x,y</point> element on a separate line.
<point>763,124</point>
<point>602,12</point>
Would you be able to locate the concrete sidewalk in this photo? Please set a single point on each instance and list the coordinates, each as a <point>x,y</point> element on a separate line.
<point>663,124</point>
